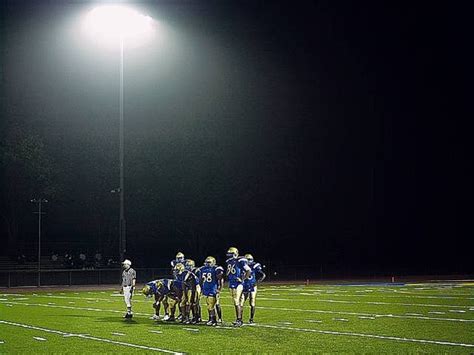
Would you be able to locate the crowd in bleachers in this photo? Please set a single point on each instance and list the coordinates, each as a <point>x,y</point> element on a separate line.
<point>66,260</point>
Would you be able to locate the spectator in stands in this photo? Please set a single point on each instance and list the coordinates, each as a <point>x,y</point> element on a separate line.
<point>82,260</point>
<point>97,259</point>
<point>68,260</point>
<point>54,258</point>
<point>21,259</point>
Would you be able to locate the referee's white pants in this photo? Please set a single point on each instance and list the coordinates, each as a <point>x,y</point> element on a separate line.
<point>127,295</point>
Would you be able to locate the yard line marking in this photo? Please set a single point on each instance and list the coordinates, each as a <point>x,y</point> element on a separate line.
<point>2,342</point>
<point>83,336</point>
<point>156,331</point>
<point>11,294</point>
<point>264,307</point>
<point>293,299</point>
<point>39,338</point>
<point>434,312</point>
<point>119,334</point>
<point>361,314</point>
<point>192,329</point>
<point>363,335</point>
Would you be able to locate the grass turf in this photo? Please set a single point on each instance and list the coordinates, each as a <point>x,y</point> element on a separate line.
<point>431,318</point>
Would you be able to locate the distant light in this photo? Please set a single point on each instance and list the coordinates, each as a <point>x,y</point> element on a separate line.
<point>109,24</point>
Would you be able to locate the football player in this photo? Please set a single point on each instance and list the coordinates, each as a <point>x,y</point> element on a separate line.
<point>178,260</point>
<point>189,281</point>
<point>211,279</point>
<point>161,289</point>
<point>250,284</point>
<point>190,265</point>
<point>237,271</point>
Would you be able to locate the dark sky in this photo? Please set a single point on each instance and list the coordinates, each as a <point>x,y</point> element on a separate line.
<point>312,132</point>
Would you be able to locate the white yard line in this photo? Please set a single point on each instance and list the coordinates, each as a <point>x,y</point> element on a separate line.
<point>292,299</point>
<point>383,337</point>
<point>362,314</point>
<point>83,336</point>
<point>259,325</point>
<point>263,307</point>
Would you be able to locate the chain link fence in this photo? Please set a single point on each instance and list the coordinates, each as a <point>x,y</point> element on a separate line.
<point>66,277</point>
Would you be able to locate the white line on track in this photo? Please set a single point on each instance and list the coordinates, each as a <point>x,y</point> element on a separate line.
<point>383,337</point>
<point>83,336</point>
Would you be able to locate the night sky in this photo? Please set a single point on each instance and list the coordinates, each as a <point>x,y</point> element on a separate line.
<point>308,133</point>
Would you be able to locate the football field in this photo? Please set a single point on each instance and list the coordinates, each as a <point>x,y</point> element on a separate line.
<point>371,318</point>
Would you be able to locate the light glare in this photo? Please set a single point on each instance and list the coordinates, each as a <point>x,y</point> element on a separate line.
<point>113,23</point>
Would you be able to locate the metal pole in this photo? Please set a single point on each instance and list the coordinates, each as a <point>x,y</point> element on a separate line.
<point>39,242</point>
<point>122,231</point>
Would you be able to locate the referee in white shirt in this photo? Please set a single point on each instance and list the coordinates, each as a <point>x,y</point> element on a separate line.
<point>129,278</point>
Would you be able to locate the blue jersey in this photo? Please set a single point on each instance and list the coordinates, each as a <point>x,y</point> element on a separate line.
<point>161,287</point>
<point>249,284</point>
<point>179,280</point>
<point>209,278</point>
<point>236,270</point>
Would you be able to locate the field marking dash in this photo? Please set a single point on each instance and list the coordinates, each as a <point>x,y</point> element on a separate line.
<point>156,331</point>
<point>192,329</point>
<point>119,334</point>
<point>88,337</point>
<point>374,336</point>
<point>39,338</point>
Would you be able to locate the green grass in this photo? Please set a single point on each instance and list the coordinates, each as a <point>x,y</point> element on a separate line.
<point>434,318</point>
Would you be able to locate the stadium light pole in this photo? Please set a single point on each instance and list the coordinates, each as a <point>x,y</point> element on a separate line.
<point>39,201</point>
<point>118,25</point>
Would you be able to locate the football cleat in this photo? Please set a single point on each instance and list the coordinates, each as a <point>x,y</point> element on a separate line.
<point>166,317</point>
<point>155,317</point>
<point>251,321</point>
<point>211,323</point>
<point>237,323</point>
<point>233,252</point>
